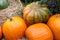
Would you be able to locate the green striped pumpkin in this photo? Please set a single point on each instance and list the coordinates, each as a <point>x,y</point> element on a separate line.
<point>35,13</point>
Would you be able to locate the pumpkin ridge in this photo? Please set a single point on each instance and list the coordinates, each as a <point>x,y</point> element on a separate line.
<point>26,14</point>
<point>33,18</point>
<point>30,19</point>
<point>44,15</point>
<point>39,17</point>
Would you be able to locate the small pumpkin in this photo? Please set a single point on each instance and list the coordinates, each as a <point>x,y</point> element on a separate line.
<point>35,13</point>
<point>39,31</point>
<point>14,28</point>
<point>54,24</point>
<point>3,4</point>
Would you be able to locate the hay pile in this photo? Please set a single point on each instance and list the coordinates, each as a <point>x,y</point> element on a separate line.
<point>15,8</point>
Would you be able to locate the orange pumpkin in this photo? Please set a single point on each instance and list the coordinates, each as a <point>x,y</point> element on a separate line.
<point>14,28</point>
<point>39,31</point>
<point>54,24</point>
<point>0,32</point>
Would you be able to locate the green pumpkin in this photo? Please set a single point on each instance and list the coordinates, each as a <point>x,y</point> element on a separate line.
<point>36,13</point>
<point>3,4</point>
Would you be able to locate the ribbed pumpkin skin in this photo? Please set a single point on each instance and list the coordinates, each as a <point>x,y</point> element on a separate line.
<point>35,13</point>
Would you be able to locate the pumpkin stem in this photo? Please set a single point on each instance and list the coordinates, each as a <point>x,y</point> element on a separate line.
<point>10,18</point>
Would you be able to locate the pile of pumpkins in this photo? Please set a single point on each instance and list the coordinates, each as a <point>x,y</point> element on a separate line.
<point>37,23</point>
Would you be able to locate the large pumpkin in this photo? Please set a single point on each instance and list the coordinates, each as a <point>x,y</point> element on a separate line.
<point>54,24</point>
<point>36,12</point>
<point>39,31</point>
<point>14,28</point>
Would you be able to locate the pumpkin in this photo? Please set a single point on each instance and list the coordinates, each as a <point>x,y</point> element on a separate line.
<point>0,32</point>
<point>35,13</point>
<point>14,28</point>
<point>3,4</point>
<point>39,31</point>
<point>54,24</point>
